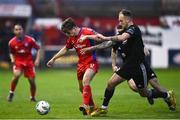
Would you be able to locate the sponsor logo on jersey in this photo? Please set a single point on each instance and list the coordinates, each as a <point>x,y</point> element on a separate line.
<point>131,30</point>
<point>26,44</point>
<point>79,46</point>
<point>21,51</point>
<point>91,65</point>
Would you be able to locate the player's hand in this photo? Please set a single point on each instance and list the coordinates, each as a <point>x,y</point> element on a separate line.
<point>84,51</point>
<point>82,38</point>
<point>36,63</point>
<point>146,51</point>
<point>50,62</point>
<point>100,37</point>
<point>115,68</point>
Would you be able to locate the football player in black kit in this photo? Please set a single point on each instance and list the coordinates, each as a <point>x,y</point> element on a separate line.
<point>134,65</point>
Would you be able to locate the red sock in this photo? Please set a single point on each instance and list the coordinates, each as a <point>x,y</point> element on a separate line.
<point>33,91</point>
<point>86,94</point>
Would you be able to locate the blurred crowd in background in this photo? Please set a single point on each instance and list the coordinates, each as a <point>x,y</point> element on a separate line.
<point>100,15</point>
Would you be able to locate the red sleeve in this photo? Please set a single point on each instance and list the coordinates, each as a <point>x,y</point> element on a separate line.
<point>34,44</point>
<point>69,44</point>
<point>90,31</point>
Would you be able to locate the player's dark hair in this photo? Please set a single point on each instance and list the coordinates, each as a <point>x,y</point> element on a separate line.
<point>68,24</point>
<point>126,13</point>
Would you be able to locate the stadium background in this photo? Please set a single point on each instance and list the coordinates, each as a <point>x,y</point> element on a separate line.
<point>159,21</point>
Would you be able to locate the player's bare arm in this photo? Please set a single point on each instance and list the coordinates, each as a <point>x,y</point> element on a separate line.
<point>56,56</point>
<point>38,57</point>
<point>113,57</point>
<point>100,37</point>
<point>12,58</point>
<point>96,37</point>
<point>103,45</point>
<point>122,37</point>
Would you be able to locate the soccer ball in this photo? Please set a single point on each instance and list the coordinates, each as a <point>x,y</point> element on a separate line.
<point>42,107</point>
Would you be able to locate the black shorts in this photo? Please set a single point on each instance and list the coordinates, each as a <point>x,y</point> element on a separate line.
<point>141,74</point>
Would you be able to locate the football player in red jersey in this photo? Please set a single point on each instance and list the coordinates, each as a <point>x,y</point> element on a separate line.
<point>87,65</point>
<point>20,48</point>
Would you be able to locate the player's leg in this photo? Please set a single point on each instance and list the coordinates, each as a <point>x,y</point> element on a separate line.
<point>157,90</point>
<point>88,76</point>
<point>141,82</point>
<point>91,102</point>
<point>153,81</point>
<point>29,73</point>
<point>168,96</point>
<point>17,71</point>
<point>109,91</point>
<point>112,83</point>
<point>86,94</point>
<point>155,84</point>
<point>132,85</point>
<point>80,73</point>
<point>141,75</point>
<point>32,88</point>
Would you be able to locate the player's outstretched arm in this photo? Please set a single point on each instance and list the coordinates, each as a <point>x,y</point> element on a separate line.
<point>96,37</point>
<point>103,45</point>
<point>56,56</point>
<point>122,37</point>
<point>113,58</point>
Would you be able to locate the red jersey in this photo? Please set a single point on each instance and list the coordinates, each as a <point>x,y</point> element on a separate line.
<point>21,49</point>
<point>73,42</point>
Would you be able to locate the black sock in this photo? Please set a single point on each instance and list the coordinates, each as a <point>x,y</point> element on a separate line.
<point>107,96</point>
<point>158,94</point>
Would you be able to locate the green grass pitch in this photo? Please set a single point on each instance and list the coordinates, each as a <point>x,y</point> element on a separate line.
<point>60,88</point>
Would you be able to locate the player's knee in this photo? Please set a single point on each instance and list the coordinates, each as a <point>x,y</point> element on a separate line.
<point>133,88</point>
<point>86,82</point>
<point>17,74</point>
<point>132,85</point>
<point>15,79</point>
<point>110,85</point>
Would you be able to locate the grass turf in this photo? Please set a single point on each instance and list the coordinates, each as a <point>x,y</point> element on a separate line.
<point>60,89</point>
